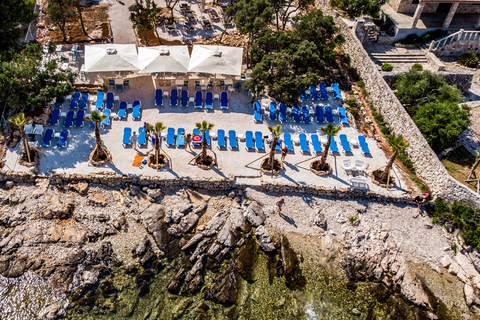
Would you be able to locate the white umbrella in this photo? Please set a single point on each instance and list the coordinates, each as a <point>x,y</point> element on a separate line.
<point>110,57</point>
<point>163,59</point>
<point>216,59</point>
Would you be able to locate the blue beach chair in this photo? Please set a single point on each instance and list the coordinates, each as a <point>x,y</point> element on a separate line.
<point>314,93</point>
<point>224,100</point>
<point>303,143</point>
<point>136,110</point>
<point>47,138</point>
<point>159,97</point>
<point>305,115</point>
<point>109,103</point>
<point>196,131</point>
<point>296,114</point>
<point>62,140</point>
<point>323,91</point>
<point>180,137</point>
<point>106,121</point>
<point>333,144</point>
<point>209,100</point>
<point>249,140</point>
<point>173,97</point>
<point>328,114</point>
<point>207,137</point>
<point>363,145</point>
<point>259,141</point>
<point>303,95</point>
<point>80,118</point>
<point>184,98</point>
<point>170,136</point>
<point>142,136</point>
<point>54,118</point>
<point>344,142</point>
<point>257,111</point>
<point>221,138</point>
<point>122,109</point>
<point>100,97</point>
<point>232,139</point>
<point>317,147</point>
<point>287,140</point>
<point>75,99</point>
<point>336,91</point>
<point>69,120</point>
<point>82,104</point>
<point>273,111</point>
<point>127,136</point>
<point>283,112</point>
<point>343,115</point>
<point>319,114</point>
<point>198,99</point>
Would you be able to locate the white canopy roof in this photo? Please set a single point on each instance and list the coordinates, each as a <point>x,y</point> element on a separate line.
<point>163,59</point>
<point>216,59</point>
<point>110,57</point>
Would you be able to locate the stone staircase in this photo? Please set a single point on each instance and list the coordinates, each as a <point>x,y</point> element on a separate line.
<point>409,57</point>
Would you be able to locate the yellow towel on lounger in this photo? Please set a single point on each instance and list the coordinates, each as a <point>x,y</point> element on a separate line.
<point>138,160</point>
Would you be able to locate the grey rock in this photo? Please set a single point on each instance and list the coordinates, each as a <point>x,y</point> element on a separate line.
<point>215,224</point>
<point>214,249</point>
<point>142,199</point>
<point>226,236</point>
<point>470,297</point>
<point>142,247</point>
<point>188,222</point>
<point>356,312</point>
<point>89,278</point>
<point>474,256</point>
<point>428,224</point>
<point>197,268</point>
<point>237,218</point>
<point>196,239</point>
<point>9,184</point>
<point>80,187</point>
<point>155,193</point>
<point>200,250</point>
<point>264,240</point>
<point>174,231</point>
<point>254,214</point>
<point>52,311</point>
<point>178,212</point>
<point>321,220</point>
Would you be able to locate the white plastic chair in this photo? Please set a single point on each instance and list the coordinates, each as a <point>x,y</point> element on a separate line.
<point>359,164</point>
<point>28,128</point>
<point>38,129</point>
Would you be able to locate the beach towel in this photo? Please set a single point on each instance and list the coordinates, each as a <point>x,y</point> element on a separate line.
<point>137,161</point>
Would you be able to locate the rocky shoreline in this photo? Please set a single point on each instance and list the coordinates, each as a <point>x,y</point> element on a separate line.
<point>72,238</point>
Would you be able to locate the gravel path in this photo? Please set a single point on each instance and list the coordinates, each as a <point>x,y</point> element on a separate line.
<point>120,23</point>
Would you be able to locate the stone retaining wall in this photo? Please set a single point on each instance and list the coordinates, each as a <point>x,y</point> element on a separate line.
<point>426,163</point>
<point>462,79</point>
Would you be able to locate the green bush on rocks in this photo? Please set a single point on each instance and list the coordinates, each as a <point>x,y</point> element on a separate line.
<point>468,59</point>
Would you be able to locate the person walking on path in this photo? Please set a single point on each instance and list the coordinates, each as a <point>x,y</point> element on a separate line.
<point>419,200</point>
<point>145,129</point>
<point>284,153</point>
<point>134,140</point>
<point>280,203</point>
<point>188,140</point>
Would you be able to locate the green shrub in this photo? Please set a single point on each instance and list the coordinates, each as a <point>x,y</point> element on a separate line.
<point>387,67</point>
<point>417,67</point>
<point>416,40</point>
<point>352,102</point>
<point>468,59</point>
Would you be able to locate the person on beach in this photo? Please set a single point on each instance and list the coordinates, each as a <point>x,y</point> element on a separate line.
<point>188,140</point>
<point>145,129</point>
<point>284,153</point>
<point>420,199</point>
<point>280,203</point>
<point>134,140</point>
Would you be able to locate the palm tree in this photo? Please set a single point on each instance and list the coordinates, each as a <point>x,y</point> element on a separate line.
<point>96,117</point>
<point>19,121</point>
<point>276,134</point>
<point>203,127</point>
<point>156,130</point>
<point>330,130</point>
<point>398,144</point>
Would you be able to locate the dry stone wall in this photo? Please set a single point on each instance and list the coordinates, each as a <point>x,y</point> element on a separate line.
<point>427,165</point>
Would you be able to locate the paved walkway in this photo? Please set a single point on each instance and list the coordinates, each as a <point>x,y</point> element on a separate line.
<point>120,23</point>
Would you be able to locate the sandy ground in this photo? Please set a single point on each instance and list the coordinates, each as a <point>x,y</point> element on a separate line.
<point>239,117</point>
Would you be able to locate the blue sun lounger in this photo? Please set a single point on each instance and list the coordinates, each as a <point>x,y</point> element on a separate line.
<point>142,136</point>
<point>283,112</point>
<point>127,136</point>
<point>257,111</point>
<point>224,100</point>
<point>106,121</point>
<point>79,119</point>
<point>198,99</point>
<point>278,145</point>
<point>344,142</point>
<point>173,97</point>
<point>47,138</point>
<point>303,95</point>
<point>333,144</point>
<point>303,143</point>
<point>317,147</point>
<point>319,114</point>
<point>221,138</point>
<point>62,140</point>
<point>100,97</point>
<point>75,99</point>
<point>159,97</point>
<point>69,120</point>
<point>363,145</point>
<point>343,115</point>
<point>180,137</point>
<point>209,100</point>
<point>109,103</point>
<point>328,114</point>
<point>287,140</point>
<point>196,131</point>
<point>314,93</point>
<point>170,136</point>
<point>232,139</point>
<point>273,111</point>
<point>305,115</point>
<point>54,118</point>
<point>207,137</point>
<point>136,110</point>
<point>259,141</point>
<point>296,114</point>
<point>82,104</point>
<point>249,140</point>
<point>336,91</point>
<point>184,98</point>
<point>122,109</point>
<point>323,91</point>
